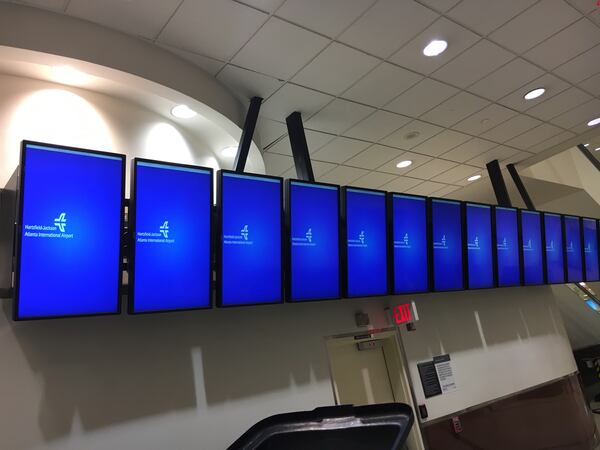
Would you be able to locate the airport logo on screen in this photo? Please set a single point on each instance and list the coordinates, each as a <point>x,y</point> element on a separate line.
<point>503,245</point>
<point>56,231</point>
<point>474,245</point>
<point>361,241</point>
<point>570,248</point>
<point>243,238</point>
<point>404,243</point>
<point>304,241</point>
<point>550,248</point>
<point>528,246</point>
<point>156,237</point>
<point>442,245</point>
<point>588,248</point>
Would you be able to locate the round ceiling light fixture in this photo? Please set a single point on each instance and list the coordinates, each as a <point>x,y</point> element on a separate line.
<point>183,112</point>
<point>534,93</point>
<point>403,164</point>
<point>593,122</point>
<point>474,178</point>
<point>229,152</point>
<point>435,48</point>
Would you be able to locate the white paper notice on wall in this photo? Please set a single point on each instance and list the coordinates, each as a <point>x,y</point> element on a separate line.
<point>443,367</point>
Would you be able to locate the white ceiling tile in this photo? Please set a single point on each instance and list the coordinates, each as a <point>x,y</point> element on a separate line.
<point>572,41</point>
<point>500,153</point>
<point>578,115</point>
<point>373,180</point>
<point>511,128</point>
<point>440,5</point>
<point>458,174</point>
<point>316,139</point>
<point>269,131</point>
<point>269,50</point>
<point>335,69</point>
<point>405,137</point>
<point>247,84</point>
<point>281,147</point>
<point>582,67</point>
<point>381,85</point>
<point>421,97</point>
<point>595,16</point>
<point>506,79</point>
<point>343,175</point>
<point>443,192</point>
<point>469,150</point>
<point>585,6</point>
<point>377,126</point>
<point>375,156</point>
<point>458,38</point>
<point>455,109</point>
<point>138,17</point>
<point>534,25</point>
<point>473,64</point>
<point>417,161</point>
<point>485,119</point>
<point>319,169</point>
<point>292,98</point>
<point>552,84</point>
<point>534,136</point>
<point>339,150</point>
<point>441,143</point>
<point>562,137</point>
<point>209,65</point>
<point>388,25</point>
<point>431,169</point>
<point>517,158</point>
<point>401,184</point>
<point>485,16</point>
<point>329,18</point>
<point>264,5</point>
<point>54,5</point>
<point>560,103</point>
<point>592,85</point>
<point>213,28</point>
<point>426,188</point>
<point>338,116</point>
<point>276,164</point>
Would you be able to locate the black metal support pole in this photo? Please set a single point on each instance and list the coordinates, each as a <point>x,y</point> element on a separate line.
<point>589,156</point>
<point>299,146</point>
<point>520,186</point>
<point>498,184</point>
<point>247,133</point>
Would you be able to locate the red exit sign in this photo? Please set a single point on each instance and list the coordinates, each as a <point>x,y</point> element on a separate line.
<point>402,314</point>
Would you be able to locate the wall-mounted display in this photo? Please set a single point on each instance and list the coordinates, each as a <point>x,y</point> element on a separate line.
<point>553,238</point>
<point>170,215</point>
<point>314,241</point>
<point>508,254</point>
<point>480,257</point>
<point>446,245</point>
<point>590,248</point>
<point>531,233</point>
<point>573,249</point>
<point>409,236</point>
<point>70,218</point>
<point>364,216</point>
<point>249,269</point>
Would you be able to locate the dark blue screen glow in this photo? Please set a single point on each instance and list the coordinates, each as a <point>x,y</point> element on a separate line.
<point>314,241</point>
<point>573,246</point>
<point>447,245</point>
<point>480,260</point>
<point>172,237</point>
<point>366,243</point>
<point>70,233</point>
<point>410,244</point>
<point>555,266</point>
<point>590,242</point>
<point>533,270</point>
<point>507,244</point>
<point>251,239</point>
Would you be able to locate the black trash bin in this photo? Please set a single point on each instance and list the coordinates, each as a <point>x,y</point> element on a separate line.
<point>373,427</point>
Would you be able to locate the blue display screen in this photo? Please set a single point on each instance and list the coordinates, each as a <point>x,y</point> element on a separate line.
<point>70,233</point>
<point>507,244</point>
<point>410,244</point>
<point>314,241</point>
<point>447,245</point>
<point>573,246</point>
<point>366,243</point>
<point>172,237</point>
<point>531,230</point>
<point>590,242</point>
<point>480,259</point>
<point>251,209</point>
<point>555,266</point>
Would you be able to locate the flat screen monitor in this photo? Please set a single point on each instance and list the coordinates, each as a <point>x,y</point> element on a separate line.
<point>170,227</point>
<point>409,233</point>
<point>531,232</point>
<point>366,242</point>
<point>480,257</point>
<point>590,248</point>
<point>574,250</point>
<point>313,215</point>
<point>555,265</point>
<point>507,247</point>
<point>447,245</point>
<point>250,239</point>
<point>69,236</point>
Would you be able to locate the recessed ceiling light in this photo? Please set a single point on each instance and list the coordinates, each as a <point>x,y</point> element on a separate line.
<point>69,75</point>
<point>597,149</point>
<point>403,164</point>
<point>229,152</point>
<point>435,47</point>
<point>593,122</point>
<point>586,145</point>
<point>474,178</point>
<point>535,93</point>
<point>183,112</point>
